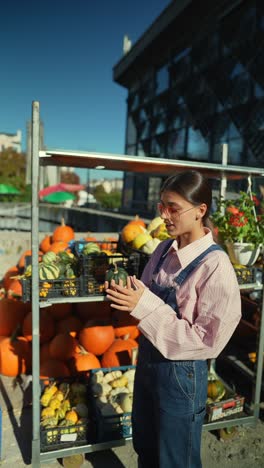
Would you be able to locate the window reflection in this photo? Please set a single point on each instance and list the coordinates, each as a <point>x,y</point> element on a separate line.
<point>162,79</point>
<point>197,146</point>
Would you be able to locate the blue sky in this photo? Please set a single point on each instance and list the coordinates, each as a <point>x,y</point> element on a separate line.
<point>62,53</point>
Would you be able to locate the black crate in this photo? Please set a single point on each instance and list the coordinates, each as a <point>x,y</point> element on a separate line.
<point>248,274</point>
<point>60,437</point>
<point>59,288</point>
<point>114,427</point>
<point>95,266</point>
<point>142,257</point>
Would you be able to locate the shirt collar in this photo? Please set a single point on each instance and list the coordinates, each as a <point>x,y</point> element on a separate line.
<point>187,254</point>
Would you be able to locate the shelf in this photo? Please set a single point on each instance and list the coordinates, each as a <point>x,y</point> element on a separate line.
<point>251,287</point>
<point>229,422</point>
<point>74,300</point>
<point>66,452</point>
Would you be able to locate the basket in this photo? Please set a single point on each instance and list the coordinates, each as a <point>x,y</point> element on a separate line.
<point>94,268</point>
<point>248,275</point>
<point>66,288</point>
<point>142,257</point>
<point>114,427</point>
<point>59,437</point>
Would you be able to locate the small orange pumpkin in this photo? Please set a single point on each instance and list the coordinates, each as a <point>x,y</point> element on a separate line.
<point>14,356</point>
<point>63,233</point>
<point>62,347</point>
<point>45,244</point>
<point>58,246</point>
<point>83,362</point>
<point>119,353</point>
<point>130,231</point>
<point>26,253</point>
<point>12,271</point>
<point>96,338</point>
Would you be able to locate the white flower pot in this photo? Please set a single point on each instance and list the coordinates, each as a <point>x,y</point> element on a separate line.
<point>242,253</point>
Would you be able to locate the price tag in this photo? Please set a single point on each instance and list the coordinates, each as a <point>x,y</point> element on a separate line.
<point>68,437</point>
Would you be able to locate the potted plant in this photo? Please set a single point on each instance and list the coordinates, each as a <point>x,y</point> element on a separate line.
<point>240,227</point>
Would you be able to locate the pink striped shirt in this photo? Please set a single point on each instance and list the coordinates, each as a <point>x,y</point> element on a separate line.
<point>209,303</point>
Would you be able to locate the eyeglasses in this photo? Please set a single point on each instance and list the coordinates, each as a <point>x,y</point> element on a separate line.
<point>171,210</point>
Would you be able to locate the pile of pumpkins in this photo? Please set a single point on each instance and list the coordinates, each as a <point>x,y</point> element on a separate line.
<point>139,236</point>
<point>73,337</point>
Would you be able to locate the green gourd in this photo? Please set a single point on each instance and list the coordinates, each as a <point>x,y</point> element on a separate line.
<point>49,257</point>
<point>117,273</point>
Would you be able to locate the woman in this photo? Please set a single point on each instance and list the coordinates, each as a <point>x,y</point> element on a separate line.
<point>188,306</point>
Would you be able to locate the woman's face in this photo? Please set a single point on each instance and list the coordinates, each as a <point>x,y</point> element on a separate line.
<point>180,216</point>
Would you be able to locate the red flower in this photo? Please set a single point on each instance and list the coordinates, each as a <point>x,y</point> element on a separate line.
<point>238,220</point>
<point>256,200</point>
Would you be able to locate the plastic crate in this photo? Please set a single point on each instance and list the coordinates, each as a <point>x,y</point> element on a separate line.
<point>230,404</point>
<point>114,427</point>
<point>142,257</point>
<point>94,268</point>
<point>66,288</point>
<point>59,437</point>
<point>248,275</point>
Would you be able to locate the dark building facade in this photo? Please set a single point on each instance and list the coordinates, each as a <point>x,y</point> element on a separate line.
<point>195,80</point>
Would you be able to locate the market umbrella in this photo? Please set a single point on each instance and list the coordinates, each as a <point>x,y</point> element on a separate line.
<point>59,188</point>
<point>59,197</point>
<point>6,189</point>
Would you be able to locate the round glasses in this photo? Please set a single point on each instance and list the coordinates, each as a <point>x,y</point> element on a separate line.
<point>171,210</point>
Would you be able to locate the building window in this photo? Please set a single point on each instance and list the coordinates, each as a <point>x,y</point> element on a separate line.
<point>197,146</point>
<point>162,80</point>
<point>176,144</point>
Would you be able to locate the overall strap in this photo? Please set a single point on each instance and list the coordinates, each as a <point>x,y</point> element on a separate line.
<point>189,269</point>
<point>163,254</point>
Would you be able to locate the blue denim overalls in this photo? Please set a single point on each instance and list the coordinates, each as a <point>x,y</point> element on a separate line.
<point>169,395</point>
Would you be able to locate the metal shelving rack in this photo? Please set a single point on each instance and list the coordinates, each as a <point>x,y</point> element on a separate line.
<point>122,163</point>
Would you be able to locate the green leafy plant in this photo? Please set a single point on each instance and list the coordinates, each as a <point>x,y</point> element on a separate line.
<point>239,220</point>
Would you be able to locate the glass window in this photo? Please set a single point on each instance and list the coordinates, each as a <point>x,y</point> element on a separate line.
<point>143,148</point>
<point>235,152</point>
<point>131,131</point>
<point>161,124</point>
<point>197,146</point>
<point>162,79</point>
<point>176,144</point>
<point>178,117</point>
<point>159,146</point>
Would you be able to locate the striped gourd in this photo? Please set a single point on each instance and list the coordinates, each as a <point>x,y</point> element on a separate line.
<point>49,258</point>
<point>48,272</point>
<point>91,248</point>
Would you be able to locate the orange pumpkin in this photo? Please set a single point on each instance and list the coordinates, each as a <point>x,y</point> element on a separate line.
<point>60,311</point>
<point>53,368</point>
<point>14,356</point>
<point>62,347</point>
<point>71,325</point>
<point>71,416</point>
<point>12,271</point>
<point>15,289</point>
<point>63,233</point>
<point>44,352</point>
<point>27,253</point>
<point>83,362</point>
<point>45,244</point>
<point>58,246</point>
<point>119,353</point>
<point>12,314</point>
<point>96,339</point>
<point>124,325</point>
<point>88,310</point>
<point>90,239</point>
<point>130,231</point>
<point>109,243</point>
<point>138,220</point>
<point>46,326</point>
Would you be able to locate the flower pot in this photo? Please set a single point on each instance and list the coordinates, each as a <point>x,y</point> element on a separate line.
<point>242,253</point>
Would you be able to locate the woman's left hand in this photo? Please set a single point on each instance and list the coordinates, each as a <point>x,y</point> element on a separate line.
<point>125,298</point>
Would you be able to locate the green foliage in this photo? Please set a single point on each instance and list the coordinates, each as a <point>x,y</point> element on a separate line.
<point>107,200</point>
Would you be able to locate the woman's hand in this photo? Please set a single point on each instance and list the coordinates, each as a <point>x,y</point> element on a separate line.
<point>124,298</point>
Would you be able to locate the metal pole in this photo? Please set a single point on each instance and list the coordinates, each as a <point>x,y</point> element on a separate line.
<point>35,285</point>
<point>224,163</point>
<point>259,370</point>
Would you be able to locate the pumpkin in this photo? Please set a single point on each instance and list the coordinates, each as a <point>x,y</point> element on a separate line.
<point>215,389</point>
<point>109,243</point>
<point>15,289</point>
<point>137,220</point>
<point>84,361</point>
<point>88,310</point>
<point>124,325</point>
<point>60,311</point>
<point>71,325</point>
<point>12,271</point>
<point>63,233</point>
<point>54,368</point>
<point>117,274</point>
<point>14,356</point>
<point>45,244</point>
<point>62,347</point>
<point>96,339</point>
<point>44,353</point>
<point>22,260</point>
<point>58,246</point>
<point>90,239</point>
<point>119,353</point>
<point>12,314</point>
<point>71,416</point>
<point>46,326</point>
<point>130,231</point>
